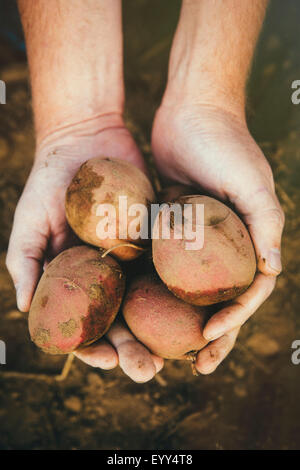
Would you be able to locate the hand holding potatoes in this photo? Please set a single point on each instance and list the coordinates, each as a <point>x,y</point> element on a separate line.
<point>211,148</point>
<point>40,231</point>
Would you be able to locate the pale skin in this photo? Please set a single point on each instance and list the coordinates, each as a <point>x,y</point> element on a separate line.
<point>199,137</point>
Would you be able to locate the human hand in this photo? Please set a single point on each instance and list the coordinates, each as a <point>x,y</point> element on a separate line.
<point>210,147</point>
<point>40,230</point>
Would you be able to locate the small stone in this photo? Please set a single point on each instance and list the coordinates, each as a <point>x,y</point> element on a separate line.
<point>14,315</point>
<point>269,70</point>
<point>238,371</point>
<point>94,380</point>
<point>100,411</point>
<point>263,345</point>
<point>240,391</point>
<point>73,404</point>
<point>273,42</point>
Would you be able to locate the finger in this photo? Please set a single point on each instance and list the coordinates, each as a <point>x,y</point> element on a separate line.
<point>158,362</point>
<point>265,220</point>
<point>134,359</point>
<point>24,267</point>
<point>25,252</point>
<point>209,358</point>
<point>100,354</point>
<point>237,312</point>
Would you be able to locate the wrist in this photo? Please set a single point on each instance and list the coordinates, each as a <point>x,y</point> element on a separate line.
<point>67,147</point>
<point>80,140</point>
<point>87,106</point>
<point>204,93</point>
<point>212,52</point>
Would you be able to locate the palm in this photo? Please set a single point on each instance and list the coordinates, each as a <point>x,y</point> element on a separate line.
<point>205,143</point>
<point>45,192</point>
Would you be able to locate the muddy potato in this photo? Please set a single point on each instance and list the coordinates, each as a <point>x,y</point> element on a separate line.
<point>76,301</point>
<point>221,270</point>
<point>102,181</point>
<point>169,327</point>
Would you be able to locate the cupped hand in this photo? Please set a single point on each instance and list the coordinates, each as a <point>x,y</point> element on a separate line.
<point>40,230</point>
<point>211,147</point>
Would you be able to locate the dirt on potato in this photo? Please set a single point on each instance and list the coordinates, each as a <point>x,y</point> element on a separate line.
<point>76,300</point>
<point>224,265</point>
<point>80,195</point>
<point>103,181</point>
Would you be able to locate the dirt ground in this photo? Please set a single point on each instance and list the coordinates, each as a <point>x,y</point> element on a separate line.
<point>252,400</point>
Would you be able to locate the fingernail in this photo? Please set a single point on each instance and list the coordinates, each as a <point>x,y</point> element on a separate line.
<point>17,293</point>
<point>18,297</point>
<point>215,335</point>
<point>274,260</point>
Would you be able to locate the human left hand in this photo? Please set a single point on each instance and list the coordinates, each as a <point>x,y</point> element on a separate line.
<point>211,147</point>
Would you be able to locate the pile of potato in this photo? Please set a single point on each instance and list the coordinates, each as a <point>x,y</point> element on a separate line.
<point>166,302</point>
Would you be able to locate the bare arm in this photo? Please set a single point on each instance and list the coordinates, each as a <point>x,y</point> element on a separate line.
<point>75,54</point>
<point>200,137</point>
<point>212,51</point>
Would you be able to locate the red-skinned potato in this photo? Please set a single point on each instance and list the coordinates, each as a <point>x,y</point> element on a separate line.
<point>169,327</point>
<point>102,181</point>
<point>219,271</point>
<point>76,301</point>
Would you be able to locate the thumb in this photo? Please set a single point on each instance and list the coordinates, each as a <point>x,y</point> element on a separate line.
<point>25,270</point>
<point>265,220</point>
<point>24,256</point>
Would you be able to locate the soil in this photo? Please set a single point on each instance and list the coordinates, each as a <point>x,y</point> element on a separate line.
<point>252,400</point>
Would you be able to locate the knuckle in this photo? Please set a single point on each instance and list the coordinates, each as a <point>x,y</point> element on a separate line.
<point>269,173</point>
<point>282,215</point>
<point>231,339</point>
<point>270,287</point>
<point>232,342</point>
<point>9,261</point>
<point>32,252</point>
<point>240,305</point>
<point>276,216</point>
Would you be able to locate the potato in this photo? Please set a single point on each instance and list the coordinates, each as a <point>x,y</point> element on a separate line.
<point>169,327</point>
<point>102,181</point>
<point>221,270</point>
<point>76,301</point>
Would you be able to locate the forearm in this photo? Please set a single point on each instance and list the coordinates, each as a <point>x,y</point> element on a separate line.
<point>75,53</point>
<point>212,50</point>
